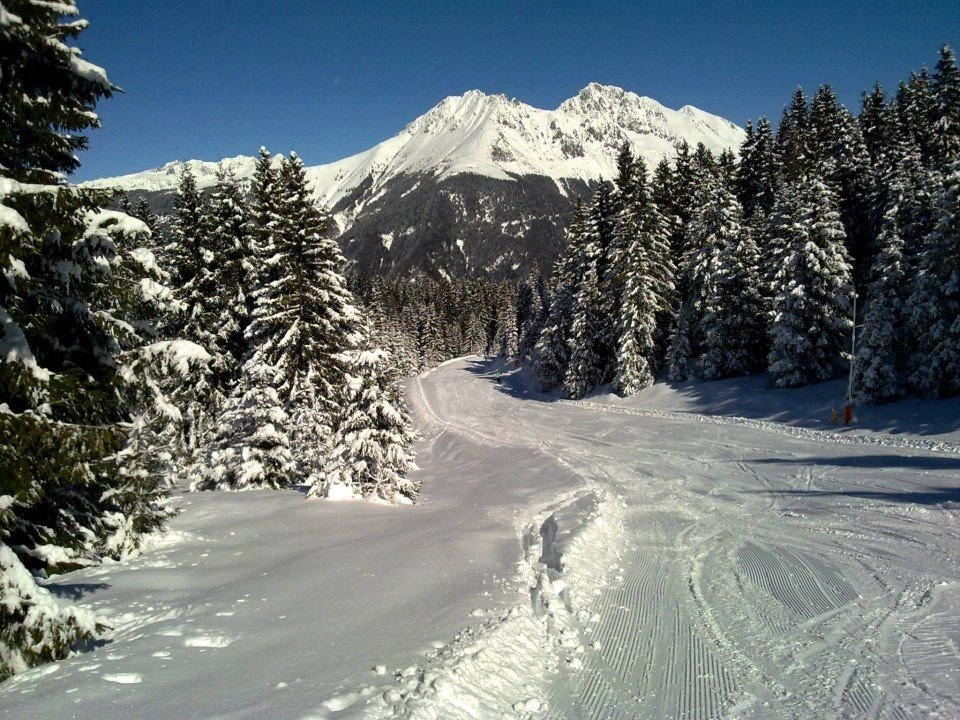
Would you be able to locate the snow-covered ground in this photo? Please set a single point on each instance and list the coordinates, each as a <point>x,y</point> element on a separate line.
<point>609,559</point>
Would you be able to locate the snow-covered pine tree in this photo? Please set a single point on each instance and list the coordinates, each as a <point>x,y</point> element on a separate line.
<point>590,337</point>
<point>626,189</point>
<point>810,327</point>
<point>304,318</point>
<point>648,285</point>
<point>72,388</point>
<point>552,352</point>
<point>185,253</point>
<point>791,138</point>
<point>586,365</point>
<point>530,311</point>
<point>679,356</point>
<point>732,326</point>
<point>603,226</point>
<point>712,225</point>
<point>74,293</point>
<point>231,240</point>
<point>934,304</point>
<point>143,211</point>
<point>877,125</point>
<point>756,175</point>
<point>252,447</point>
<point>507,333</point>
<point>915,106</point>
<point>837,148</point>
<point>945,118</point>
<point>372,451</point>
<point>875,364</point>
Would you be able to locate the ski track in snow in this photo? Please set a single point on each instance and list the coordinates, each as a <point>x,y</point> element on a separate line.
<point>725,594</point>
<point>705,567</point>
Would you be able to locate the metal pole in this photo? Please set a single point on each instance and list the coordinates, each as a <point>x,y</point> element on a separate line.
<point>853,350</point>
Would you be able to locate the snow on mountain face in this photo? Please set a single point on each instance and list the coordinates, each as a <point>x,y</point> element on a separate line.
<point>496,137</point>
<point>480,184</point>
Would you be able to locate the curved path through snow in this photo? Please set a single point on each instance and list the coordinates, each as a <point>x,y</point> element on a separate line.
<point>569,560</point>
<point>761,571</point>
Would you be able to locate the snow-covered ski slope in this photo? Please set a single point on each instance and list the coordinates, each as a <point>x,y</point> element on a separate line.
<point>568,561</point>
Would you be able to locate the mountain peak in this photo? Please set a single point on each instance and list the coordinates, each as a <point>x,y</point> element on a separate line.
<point>498,137</point>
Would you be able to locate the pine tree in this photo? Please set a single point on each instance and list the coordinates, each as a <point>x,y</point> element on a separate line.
<point>875,366</point>
<point>372,453</point>
<point>48,93</point>
<point>303,320</point>
<point>732,324</point>
<point>648,286</point>
<point>143,211</point>
<point>756,175</point>
<point>590,339</point>
<point>552,352</point>
<point>945,118</point>
<point>586,365</point>
<point>934,303</point>
<point>711,227</point>
<point>877,125</point>
<point>812,307</point>
<point>253,447</point>
<point>186,249</point>
<point>507,334</point>
<point>230,242</point>
<point>915,107</point>
<point>530,311</point>
<point>79,297</point>
<point>791,138</point>
<point>679,351</point>
<point>837,148</point>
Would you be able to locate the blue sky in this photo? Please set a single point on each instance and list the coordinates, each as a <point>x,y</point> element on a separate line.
<point>208,79</point>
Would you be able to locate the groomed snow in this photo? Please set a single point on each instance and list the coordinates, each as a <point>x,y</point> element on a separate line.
<point>568,560</point>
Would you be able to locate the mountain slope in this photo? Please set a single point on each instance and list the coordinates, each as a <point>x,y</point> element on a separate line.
<point>476,178</point>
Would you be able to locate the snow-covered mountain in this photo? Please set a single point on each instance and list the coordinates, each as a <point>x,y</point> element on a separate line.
<point>479,183</point>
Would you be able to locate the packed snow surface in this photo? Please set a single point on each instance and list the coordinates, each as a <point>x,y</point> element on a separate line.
<point>494,136</point>
<point>690,553</point>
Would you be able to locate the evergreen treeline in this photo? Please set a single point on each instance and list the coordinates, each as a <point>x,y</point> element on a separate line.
<point>423,322</point>
<point>719,266</point>
<point>221,346</point>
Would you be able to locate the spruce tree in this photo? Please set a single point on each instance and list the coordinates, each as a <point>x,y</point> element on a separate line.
<point>875,364</point>
<point>679,351</point>
<point>711,227</point>
<point>79,299</point>
<point>230,241</point>
<point>143,211</point>
<point>945,117</point>
<point>934,304</point>
<point>732,325</point>
<point>371,450</point>
<point>48,93</point>
<point>915,106</point>
<point>756,174</point>
<point>591,338</point>
<point>791,139</point>
<point>810,328</point>
<point>552,352</point>
<point>648,287</point>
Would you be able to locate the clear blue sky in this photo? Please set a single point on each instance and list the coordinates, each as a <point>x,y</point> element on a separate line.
<point>209,78</point>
